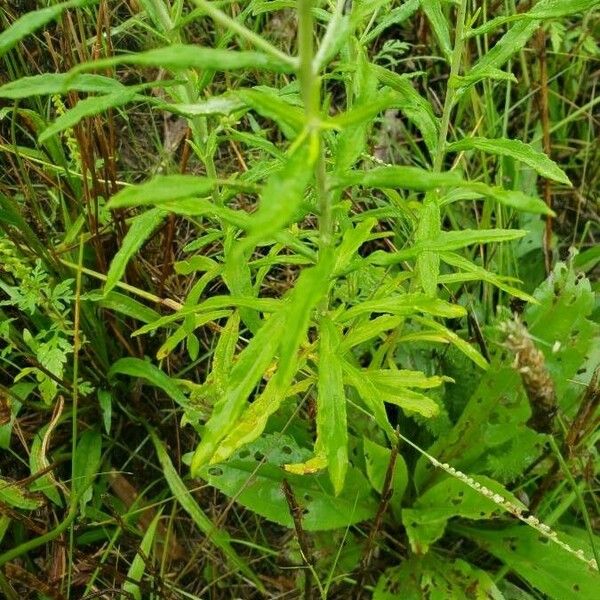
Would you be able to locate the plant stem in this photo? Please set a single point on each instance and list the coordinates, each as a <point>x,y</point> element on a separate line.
<point>310,89</point>
<point>253,38</point>
<point>449,100</point>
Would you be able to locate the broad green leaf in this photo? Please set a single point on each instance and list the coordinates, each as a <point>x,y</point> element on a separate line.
<point>142,227</point>
<point>433,10</point>
<point>258,487</point>
<point>32,21</point>
<point>518,151</point>
<point>247,372</point>
<point>332,428</point>
<point>436,577</point>
<point>15,496</point>
<point>426,520</point>
<point>58,83</point>
<point>448,241</point>
<point>87,108</point>
<point>136,367</point>
<point>491,435</point>
<point>131,588</point>
<point>398,177</point>
<point>185,499</point>
<point>86,465</point>
<point>546,566</point>
<point>404,305</point>
<point>184,56</point>
<point>377,460</point>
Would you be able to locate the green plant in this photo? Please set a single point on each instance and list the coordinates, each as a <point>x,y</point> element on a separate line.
<point>333,381</point>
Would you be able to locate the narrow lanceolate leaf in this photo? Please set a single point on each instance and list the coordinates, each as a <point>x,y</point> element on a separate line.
<point>416,108</point>
<point>480,274</point>
<point>312,285</point>
<point>428,261</point>
<point>32,21</point>
<point>184,56</point>
<point>510,43</point>
<point>131,588</point>
<point>86,464</point>
<point>162,190</point>
<point>405,305</point>
<point>513,198</point>
<point>433,10</point>
<point>248,370</point>
<point>353,239</point>
<point>183,496</point>
<point>554,9</point>
<point>136,367</point>
<point>283,194</point>
<point>332,428</point>
<point>393,387</point>
<point>127,306</point>
<point>58,83</point>
<point>398,177</point>
<point>338,30</point>
<point>268,104</point>
<point>517,150</point>
<point>370,395</point>
<point>142,228</point>
<point>87,108</point>
<point>448,240</point>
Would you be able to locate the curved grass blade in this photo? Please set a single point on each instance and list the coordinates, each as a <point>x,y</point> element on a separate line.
<point>142,227</point>
<point>183,496</point>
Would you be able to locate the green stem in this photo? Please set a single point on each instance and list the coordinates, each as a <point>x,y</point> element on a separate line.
<point>310,89</point>
<point>253,38</point>
<point>450,98</point>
